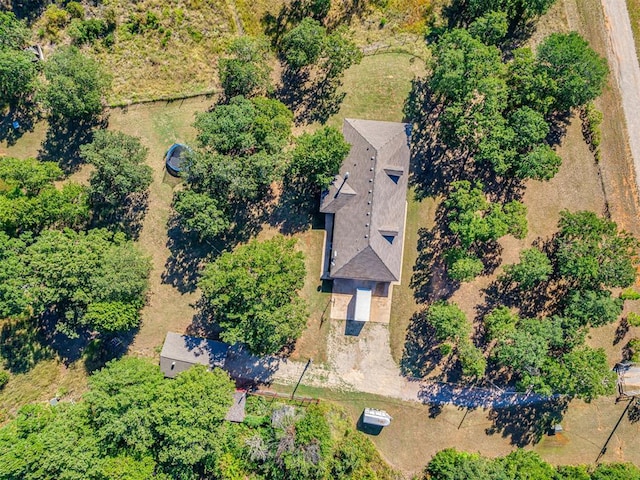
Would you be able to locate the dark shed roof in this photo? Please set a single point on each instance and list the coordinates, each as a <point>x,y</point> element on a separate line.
<point>193,350</point>
<point>369,203</point>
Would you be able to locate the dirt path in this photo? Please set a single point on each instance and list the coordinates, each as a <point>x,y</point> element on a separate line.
<point>624,65</point>
<point>236,17</point>
<point>363,363</point>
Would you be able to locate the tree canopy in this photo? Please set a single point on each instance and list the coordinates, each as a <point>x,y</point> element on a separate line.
<point>472,218</point>
<point>252,293</point>
<point>317,157</point>
<point>76,85</point>
<point>245,126</point>
<point>578,72</point>
<point>18,76</point>
<point>120,169</point>
<point>29,202</point>
<point>592,252</point>
<point>134,424</point>
<point>93,280</point>
<point>534,267</point>
<point>451,464</point>
<point>246,71</point>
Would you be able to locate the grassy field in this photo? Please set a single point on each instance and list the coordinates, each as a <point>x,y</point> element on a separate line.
<point>633,6</point>
<point>419,431</point>
<point>159,49</point>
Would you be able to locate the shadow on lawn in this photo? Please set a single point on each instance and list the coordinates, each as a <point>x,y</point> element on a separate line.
<point>526,424</point>
<point>310,95</point>
<point>297,209</point>
<point>126,217</point>
<point>26,342</point>
<point>64,138</point>
<point>26,114</point>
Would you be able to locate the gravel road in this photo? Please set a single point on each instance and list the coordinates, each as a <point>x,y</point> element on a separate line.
<point>623,61</point>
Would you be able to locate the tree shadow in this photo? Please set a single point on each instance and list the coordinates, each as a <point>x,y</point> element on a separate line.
<point>23,345</point>
<point>29,10</point>
<point>26,342</point>
<point>421,354</point>
<point>433,166</point>
<point>292,13</point>
<point>188,253</point>
<point>526,424</point>
<point>310,95</point>
<point>621,331</point>
<point>127,217</point>
<point>633,414</point>
<point>298,208</point>
<point>64,138</point>
<point>26,115</point>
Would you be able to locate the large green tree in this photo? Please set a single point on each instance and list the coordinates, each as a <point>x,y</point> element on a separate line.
<point>592,252</point>
<point>473,219</point>
<point>246,71</point>
<point>450,323</point>
<point>14,33</point>
<point>245,126</point>
<point>120,168</point>
<point>534,267</point>
<point>302,45</point>
<point>317,157</point>
<point>18,76</point>
<point>579,73</point>
<point>76,85</point>
<point>252,293</point>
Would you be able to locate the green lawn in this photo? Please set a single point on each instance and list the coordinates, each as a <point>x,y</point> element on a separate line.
<point>378,87</point>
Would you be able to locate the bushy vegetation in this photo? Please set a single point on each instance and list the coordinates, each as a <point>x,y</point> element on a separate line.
<point>252,294</point>
<point>76,85</point>
<point>29,201</point>
<point>135,424</point>
<point>451,464</point>
<point>93,280</point>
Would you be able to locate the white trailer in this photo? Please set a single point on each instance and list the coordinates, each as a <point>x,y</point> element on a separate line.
<point>372,416</point>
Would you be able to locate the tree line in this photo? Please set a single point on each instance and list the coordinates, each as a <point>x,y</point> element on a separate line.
<point>134,424</point>
<point>451,464</point>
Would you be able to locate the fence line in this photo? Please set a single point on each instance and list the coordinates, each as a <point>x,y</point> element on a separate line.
<point>284,396</point>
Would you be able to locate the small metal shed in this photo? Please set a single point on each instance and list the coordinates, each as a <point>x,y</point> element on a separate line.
<point>363,305</point>
<point>371,416</point>
<point>180,352</point>
<point>628,379</point>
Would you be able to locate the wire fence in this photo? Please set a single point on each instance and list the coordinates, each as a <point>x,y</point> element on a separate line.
<point>297,400</point>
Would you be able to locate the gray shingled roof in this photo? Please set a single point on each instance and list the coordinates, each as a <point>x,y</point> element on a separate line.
<point>369,206</point>
<point>194,350</point>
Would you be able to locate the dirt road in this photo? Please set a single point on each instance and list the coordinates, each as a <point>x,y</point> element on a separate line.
<point>623,61</point>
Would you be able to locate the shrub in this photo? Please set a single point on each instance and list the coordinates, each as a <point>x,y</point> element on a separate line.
<point>633,319</point>
<point>55,18</point>
<point>87,31</point>
<point>75,9</point>
<point>633,348</point>
<point>629,294</point>
<point>4,378</point>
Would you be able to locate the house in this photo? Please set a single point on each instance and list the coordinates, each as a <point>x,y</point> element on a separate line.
<point>367,202</point>
<point>180,352</point>
<point>365,208</point>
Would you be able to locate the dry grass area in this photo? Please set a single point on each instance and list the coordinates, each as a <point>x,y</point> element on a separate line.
<point>159,125</point>
<point>174,55</point>
<point>418,431</point>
